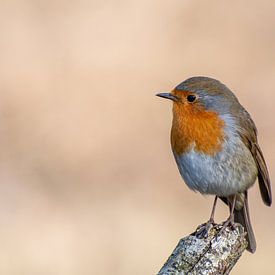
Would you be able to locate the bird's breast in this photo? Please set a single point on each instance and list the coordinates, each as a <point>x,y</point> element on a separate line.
<point>198,129</point>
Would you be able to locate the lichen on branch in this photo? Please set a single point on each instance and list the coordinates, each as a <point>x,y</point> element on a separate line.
<point>215,253</point>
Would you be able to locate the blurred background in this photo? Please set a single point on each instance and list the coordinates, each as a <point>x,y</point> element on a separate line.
<point>88,184</point>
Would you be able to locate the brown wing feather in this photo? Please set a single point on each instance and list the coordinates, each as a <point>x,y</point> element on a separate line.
<point>263,176</point>
<point>248,132</point>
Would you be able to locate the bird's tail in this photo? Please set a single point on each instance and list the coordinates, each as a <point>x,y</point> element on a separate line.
<point>242,216</point>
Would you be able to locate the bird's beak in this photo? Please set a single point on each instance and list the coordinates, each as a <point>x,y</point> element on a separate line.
<point>168,96</point>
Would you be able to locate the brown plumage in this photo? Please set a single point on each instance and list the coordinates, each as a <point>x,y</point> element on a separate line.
<point>248,133</point>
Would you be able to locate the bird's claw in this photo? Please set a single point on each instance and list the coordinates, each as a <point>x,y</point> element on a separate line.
<point>202,232</point>
<point>228,223</point>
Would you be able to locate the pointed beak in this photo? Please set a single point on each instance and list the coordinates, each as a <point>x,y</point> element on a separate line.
<point>168,96</point>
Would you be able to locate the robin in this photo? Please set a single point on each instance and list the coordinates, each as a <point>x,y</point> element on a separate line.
<point>214,142</point>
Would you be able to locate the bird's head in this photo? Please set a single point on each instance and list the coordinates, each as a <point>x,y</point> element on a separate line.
<point>199,94</point>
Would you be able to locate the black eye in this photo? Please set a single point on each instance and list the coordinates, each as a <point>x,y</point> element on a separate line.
<point>191,98</point>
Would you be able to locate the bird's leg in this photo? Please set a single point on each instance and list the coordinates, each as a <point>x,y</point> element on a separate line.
<point>203,231</point>
<point>230,220</point>
<point>211,220</point>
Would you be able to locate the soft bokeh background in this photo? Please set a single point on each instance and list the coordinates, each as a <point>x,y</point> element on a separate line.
<point>88,184</point>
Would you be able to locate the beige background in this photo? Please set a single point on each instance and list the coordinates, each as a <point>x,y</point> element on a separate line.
<point>88,183</point>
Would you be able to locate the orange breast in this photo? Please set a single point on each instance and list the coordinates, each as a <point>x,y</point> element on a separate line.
<point>196,126</point>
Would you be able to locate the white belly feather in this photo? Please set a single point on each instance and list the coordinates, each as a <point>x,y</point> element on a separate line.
<point>228,172</point>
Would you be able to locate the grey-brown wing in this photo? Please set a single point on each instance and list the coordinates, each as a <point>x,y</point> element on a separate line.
<point>248,133</point>
<point>263,176</point>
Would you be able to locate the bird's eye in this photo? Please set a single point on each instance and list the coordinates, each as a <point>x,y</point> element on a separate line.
<point>191,98</point>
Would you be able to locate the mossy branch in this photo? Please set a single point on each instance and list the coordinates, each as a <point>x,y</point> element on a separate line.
<point>216,253</point>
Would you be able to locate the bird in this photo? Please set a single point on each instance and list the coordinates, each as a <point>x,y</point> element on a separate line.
<point>214,143</point>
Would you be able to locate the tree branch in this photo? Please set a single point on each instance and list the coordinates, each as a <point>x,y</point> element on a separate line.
<point>215,253</point>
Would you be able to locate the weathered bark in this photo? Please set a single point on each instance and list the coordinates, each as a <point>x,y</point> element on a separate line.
<point>215,253</point>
